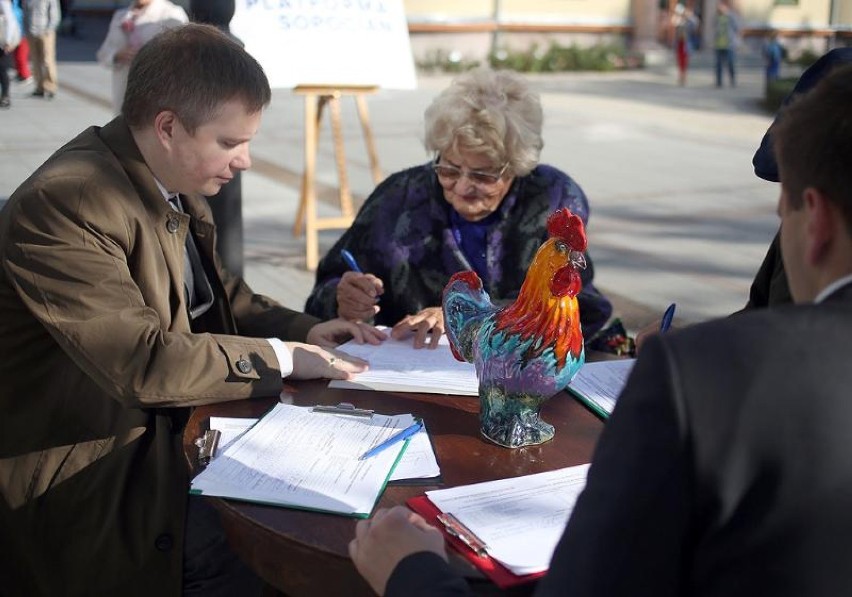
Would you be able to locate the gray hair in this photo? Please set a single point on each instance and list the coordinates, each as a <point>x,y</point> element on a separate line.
<point>490,113</point>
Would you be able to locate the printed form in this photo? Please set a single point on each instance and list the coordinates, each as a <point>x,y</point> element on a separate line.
<point>417,462</point>
<point>396,366</point>
<point>600,384</point>
<point>521,519</point>
<point>295,457</point>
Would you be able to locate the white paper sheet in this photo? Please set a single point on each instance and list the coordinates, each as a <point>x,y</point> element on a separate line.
<point>230,429</point>
<point>396,366</point>
<point>417,462</point>
<point>520,519</point>
<point>601,383</point>
<point>295,457</point>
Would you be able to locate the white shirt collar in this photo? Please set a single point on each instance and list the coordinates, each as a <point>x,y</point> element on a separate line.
<point>832,288</point>
<point>166,194</point>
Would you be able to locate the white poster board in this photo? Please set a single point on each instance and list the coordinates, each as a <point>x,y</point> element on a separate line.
<point>328,42</point>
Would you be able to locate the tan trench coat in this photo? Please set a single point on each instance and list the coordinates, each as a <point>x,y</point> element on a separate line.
<point>99,370</point>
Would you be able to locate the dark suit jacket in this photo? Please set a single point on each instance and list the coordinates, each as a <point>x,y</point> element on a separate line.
<point>99,370</point>
<point>769,287</point>
<point>724,470</point>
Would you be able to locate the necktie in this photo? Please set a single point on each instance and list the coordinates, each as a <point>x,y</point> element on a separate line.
<point>199,294</point>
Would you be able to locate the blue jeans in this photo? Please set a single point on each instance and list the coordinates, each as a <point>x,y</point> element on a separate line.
<point>723,56</point>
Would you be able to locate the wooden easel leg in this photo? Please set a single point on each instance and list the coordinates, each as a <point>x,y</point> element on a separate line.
<point>340,157</point>
<point>311,144</point>
<point>364,117</point>
<point>307,201</point>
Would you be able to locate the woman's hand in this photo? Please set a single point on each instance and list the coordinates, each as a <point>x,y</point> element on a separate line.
<point>337,331</point>
<point>428,320</point>
<point>357,295</point>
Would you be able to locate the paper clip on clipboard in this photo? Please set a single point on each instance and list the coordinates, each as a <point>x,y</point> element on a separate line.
<point>344,408</point>
<point>207,445</point>
<point>454,527</point>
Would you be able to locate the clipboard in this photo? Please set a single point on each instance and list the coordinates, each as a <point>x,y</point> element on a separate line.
<point>278,461</point>
<point>495,571</point>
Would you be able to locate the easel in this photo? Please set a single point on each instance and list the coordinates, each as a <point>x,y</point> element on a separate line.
<point>316,98</point>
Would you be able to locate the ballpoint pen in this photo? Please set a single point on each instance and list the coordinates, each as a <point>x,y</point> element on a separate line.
<point>401,436</point>
<point>350,261</point>
<point>666,323</point>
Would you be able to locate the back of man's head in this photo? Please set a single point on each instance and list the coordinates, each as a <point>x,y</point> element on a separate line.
<point>192,71</point>
<point>813,143</point>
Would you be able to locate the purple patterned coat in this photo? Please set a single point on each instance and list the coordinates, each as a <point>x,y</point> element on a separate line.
<point>404,236</point>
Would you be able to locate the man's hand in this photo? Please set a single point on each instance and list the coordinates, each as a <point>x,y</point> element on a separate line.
<point>428,320</point>
<point>652,329</point>
<point>357,295</point>
<point>336,331</point>
<point>313,362</point>
<point>383,541</point>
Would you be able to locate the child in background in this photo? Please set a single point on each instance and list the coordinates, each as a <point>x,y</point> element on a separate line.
<point>773,54</point>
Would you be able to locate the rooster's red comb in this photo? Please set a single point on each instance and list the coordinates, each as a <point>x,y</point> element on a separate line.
<point>564,225</point>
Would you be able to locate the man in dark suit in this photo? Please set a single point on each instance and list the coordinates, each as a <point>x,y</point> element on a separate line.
<point>116,318</point>
<point>724,470</point>
<point>769,287</point>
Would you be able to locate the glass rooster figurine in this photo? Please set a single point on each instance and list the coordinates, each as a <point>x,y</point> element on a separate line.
<point>527,351</point>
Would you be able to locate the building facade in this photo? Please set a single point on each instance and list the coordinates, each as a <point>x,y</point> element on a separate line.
<point>473,28</point>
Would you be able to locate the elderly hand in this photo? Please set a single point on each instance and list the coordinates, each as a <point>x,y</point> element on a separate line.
<point>357,295</point>
<point>421,324</point>
<point>336,331</point>
<point>383,541</point>
<point>313,362</point>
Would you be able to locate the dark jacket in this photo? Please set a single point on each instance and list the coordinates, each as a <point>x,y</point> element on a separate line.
<point>723,472</point>
<point>403,234</point>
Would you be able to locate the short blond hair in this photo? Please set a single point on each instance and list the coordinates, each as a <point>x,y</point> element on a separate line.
<point>490,113</point>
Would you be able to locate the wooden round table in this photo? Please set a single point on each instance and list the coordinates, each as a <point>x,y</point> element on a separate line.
<point>305,553</point>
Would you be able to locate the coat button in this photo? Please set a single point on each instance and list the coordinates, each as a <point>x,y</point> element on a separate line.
<point>172,224</point>
<point>164,542</point>
<point>244,366</point>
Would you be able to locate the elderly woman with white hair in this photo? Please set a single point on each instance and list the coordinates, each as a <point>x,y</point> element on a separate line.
<point>480,204</point>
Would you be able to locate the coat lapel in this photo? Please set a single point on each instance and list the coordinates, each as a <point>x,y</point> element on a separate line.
<point>170,227</point>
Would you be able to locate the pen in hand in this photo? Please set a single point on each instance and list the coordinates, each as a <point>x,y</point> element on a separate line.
<point>394,439</point>
<point>666,323</point>
<point>350,261</point>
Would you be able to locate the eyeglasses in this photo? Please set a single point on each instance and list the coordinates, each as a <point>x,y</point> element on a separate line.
<point>451,174</point>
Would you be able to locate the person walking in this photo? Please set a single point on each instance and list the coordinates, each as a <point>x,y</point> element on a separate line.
<point>725,42</point>
<point>41,18</point>
<point>685,23</point>
<point>130,29</point>
<point>22,52</point>
<point>773,55</point>
<point>10,36</point>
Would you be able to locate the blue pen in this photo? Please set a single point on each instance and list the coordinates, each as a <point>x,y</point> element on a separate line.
<point>666,323</point>
<point>401,436</point>
<point>350,261</point>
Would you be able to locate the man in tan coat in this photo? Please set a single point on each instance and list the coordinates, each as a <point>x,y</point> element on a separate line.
<point>108,341</point>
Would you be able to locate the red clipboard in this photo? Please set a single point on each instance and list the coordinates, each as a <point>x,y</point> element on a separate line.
<point>496,572</point>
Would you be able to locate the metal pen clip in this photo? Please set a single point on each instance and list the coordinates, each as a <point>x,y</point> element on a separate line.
<point>454,527</point>
<point>207,445</point>
<point>344,408</point>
